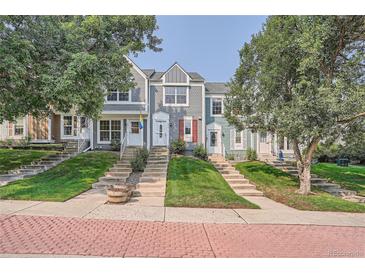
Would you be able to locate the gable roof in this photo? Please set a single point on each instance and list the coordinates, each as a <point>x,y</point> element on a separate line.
<point>216,88</point>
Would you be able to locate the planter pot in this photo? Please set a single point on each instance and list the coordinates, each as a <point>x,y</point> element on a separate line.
<point>119,194</point>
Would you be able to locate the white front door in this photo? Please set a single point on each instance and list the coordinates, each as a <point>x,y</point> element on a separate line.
<point>214,135</point>
<point>264,144</point>
<point>134,133</point>
<point>160,129</point>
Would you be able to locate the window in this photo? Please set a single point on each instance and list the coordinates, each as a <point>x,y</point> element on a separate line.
<point>188,129</point>
<point>217,106</point>
<point>238,137</point>
<point>177,96</point>
<point>213,138</point>
<point>135,127</point>
<point>67,125</point>
<point>109,130</point>
<point>118,96</point>
<point>263,137</point>
<point>19,127</point>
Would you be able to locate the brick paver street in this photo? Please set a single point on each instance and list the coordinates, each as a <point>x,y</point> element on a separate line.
<point>93,237</point>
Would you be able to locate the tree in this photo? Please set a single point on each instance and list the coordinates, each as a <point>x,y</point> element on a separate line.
<point>302,77</point>
<point>61,63</point>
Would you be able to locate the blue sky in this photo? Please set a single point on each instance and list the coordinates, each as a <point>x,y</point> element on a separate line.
<point>205,44</point>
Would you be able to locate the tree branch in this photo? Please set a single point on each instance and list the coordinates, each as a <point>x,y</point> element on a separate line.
<point>350,119</point>
<point>312,148</point>
<point>297,153</point>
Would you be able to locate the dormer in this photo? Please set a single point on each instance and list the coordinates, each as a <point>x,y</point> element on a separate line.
<point>176,76</point>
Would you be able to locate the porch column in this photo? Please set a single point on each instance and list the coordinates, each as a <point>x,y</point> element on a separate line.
<point>49,128</point>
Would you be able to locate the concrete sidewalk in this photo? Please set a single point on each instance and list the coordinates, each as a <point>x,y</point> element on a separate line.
<point>91,205</point>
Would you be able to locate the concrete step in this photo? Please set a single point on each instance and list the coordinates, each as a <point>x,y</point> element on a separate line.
<point>120,169</point>
<point>29,170</point>
<point>157,161</point>
<point>138,193</point>
<point>318,180</point>
<point>325,185</point>
<point>243,180</point>
<point>10,177</point>
<point>37,166</point>
<point>151,185</point>
<point>153,169</point>
<point>112,180</point>
<point>152,179</point>
<point>122,166</point>
<point>232,172</point>
<point>249,192</point>
<point>340,192</point>
<point>233,176</point>
<point>239,187</point>
<point>117,174</point>
<point>154,174</point>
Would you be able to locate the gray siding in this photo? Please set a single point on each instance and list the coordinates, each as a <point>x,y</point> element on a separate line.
<point>176,113</point>
<point>138,95</point>
<point>176,75</point>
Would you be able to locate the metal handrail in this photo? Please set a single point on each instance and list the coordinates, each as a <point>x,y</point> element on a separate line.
<point>123,145</point>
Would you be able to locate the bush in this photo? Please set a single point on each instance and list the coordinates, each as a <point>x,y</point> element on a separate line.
<point>251,154</point>
<point>115,144</point>
<point>177,147</point>
<point>230,157</point>
<point>200,152</point>
<point>139,163</point>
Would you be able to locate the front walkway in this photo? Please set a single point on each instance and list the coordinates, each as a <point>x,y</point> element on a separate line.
<point>89,237</point>
<point>91,205</point>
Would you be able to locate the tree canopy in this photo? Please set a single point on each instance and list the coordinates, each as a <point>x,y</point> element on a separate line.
<point>61,63</point>
<point>302,77</point>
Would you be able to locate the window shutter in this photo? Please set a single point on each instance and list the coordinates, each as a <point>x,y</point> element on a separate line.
<point>181,129</point>
<point>195,131</point>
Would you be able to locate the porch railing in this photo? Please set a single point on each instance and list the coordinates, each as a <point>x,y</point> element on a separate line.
<point>123,145</point>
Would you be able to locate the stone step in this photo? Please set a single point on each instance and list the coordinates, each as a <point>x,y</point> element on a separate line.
<point>325,185</point>
<point>112,180</point>
<point>157,161</point>
<point>158,158</point>
<point>149,165</point>
<point>37,166</point>
<point>318,180</point>
<point>152,179</point>
<point>101,185</point>
<point>29,170</point>
<point>10,177</point>
<point>117,174</point>
<point>340,192</point>
<point>249,192</point>
<point>122,166</point>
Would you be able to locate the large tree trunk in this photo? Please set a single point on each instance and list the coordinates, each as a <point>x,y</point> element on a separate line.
<point>304,171</point>
<point>304,165</point>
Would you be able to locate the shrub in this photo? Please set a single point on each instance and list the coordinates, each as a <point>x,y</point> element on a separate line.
<point>115,144</point>
<point>140,161</point>
<point>251,154</point>
<point>9,143</point>
<point>230,157</point>
<point>177,147</point>
<point>200,152</point>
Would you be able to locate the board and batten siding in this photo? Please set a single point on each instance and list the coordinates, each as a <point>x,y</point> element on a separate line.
<point>176,75</point>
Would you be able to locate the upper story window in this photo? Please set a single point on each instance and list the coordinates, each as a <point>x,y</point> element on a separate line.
<point>118,96</point>
<point>216,106</point>
<point>176,96</point>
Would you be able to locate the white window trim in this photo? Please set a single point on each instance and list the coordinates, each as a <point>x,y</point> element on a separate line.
<point>110,131</point>
<point>63,136</point>
<point>16,136</point>
<point>234,145</point>
<point>188,137</point>
<point>176,105</point>
<point>211,106</point>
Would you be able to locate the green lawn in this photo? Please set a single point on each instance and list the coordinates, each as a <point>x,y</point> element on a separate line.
<point>351,177</point>
<point>64,181</point>
<point>14,158</point>
<point>280,186</point>
<point>196,183</point>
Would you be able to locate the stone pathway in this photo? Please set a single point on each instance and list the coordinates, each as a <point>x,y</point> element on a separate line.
<point>236,181</point>
<point>91,237</point>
